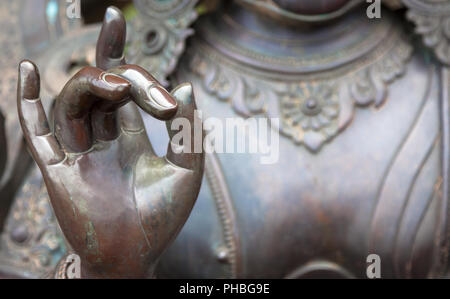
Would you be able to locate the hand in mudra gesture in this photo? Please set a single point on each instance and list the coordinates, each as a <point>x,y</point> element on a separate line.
<point>118,204</point>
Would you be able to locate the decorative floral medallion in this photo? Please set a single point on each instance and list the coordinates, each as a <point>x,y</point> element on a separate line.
<point>310,113</point>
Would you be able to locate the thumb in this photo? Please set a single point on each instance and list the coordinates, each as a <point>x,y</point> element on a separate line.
<point>186,152</point>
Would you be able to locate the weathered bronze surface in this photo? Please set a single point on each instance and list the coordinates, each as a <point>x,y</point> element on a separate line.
<point>121,232</point>
<point>29,27</point>
<point>363,159</point>
<point>366,173</point>
<point>27,30</point>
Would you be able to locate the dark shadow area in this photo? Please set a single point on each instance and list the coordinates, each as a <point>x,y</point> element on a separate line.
<point>93,10</point>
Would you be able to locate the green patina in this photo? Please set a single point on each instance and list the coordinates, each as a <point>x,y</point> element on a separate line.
<point>82,206</point>
<point>73,207</point>
<point>91,238</point>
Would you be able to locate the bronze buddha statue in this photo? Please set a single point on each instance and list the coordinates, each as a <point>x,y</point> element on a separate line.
<point>363,157</point>
<point>360,168</point>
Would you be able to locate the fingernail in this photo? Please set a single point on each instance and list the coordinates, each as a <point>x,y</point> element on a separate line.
<point>29,79</point>
<point>112,13</point>
<point>115,81</point>
<point>162,97</point>
<point>183,93</point>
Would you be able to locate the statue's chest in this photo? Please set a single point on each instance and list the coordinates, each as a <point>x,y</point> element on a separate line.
<point>358,166</point>
<point>375,187</point>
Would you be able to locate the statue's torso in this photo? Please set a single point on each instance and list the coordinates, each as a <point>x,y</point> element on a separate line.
<point>368,180</point>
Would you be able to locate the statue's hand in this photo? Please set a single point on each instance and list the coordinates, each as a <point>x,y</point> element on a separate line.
<point>118,204</point>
